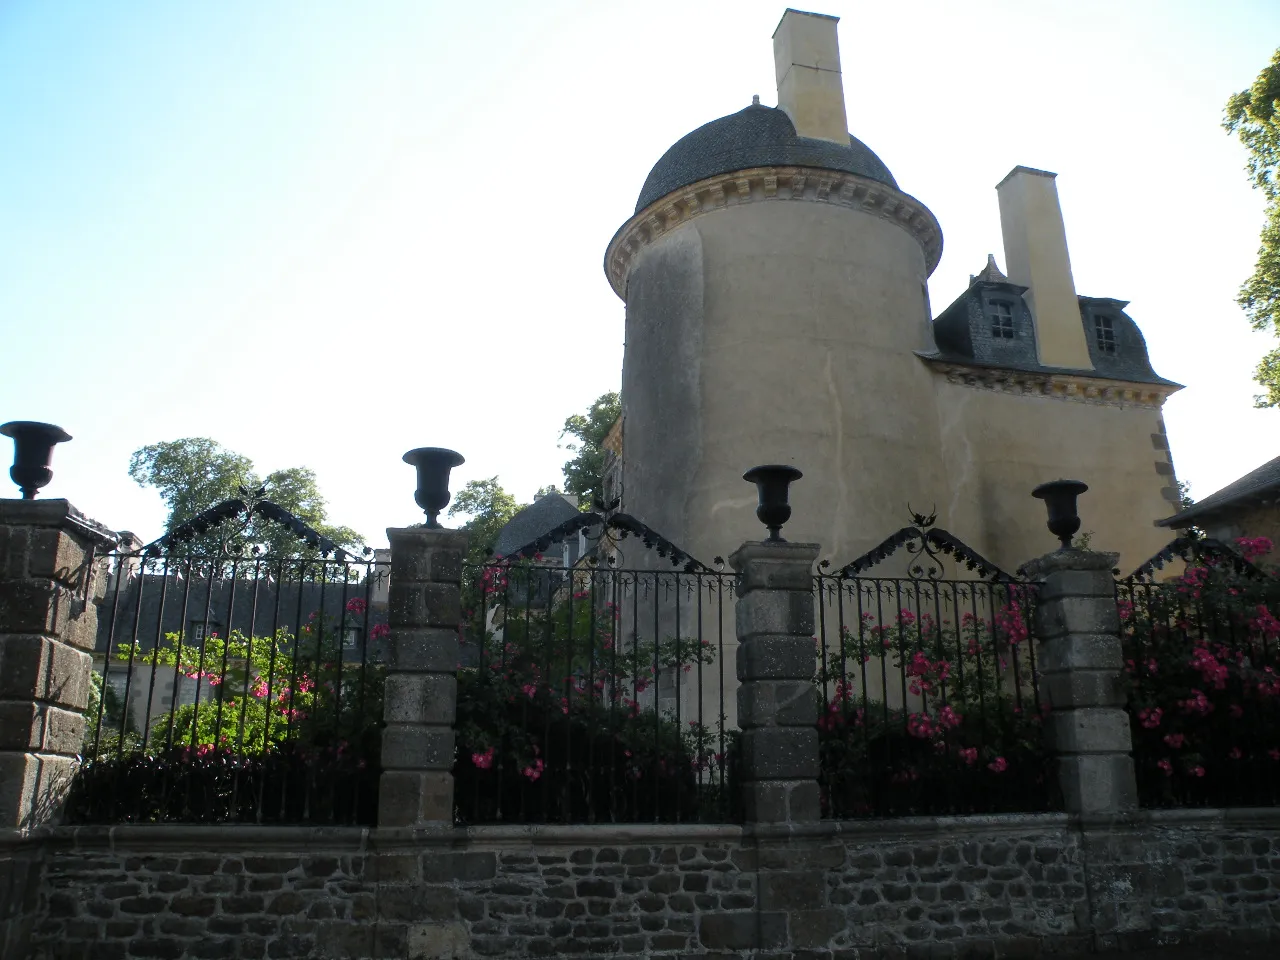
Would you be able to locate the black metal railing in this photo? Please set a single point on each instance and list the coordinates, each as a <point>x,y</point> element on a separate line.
<point>930,697</point>
<point>235,688</point>
<point>594,694</point>
<point>1202,662</point>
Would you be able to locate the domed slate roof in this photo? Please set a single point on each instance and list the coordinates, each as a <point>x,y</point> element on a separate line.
<point>758,136</point>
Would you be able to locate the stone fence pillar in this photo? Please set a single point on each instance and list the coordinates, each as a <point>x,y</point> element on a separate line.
<point>777,699</point>
<point>420,699</point>
<point>1081,677</point>
<point>49,580</point>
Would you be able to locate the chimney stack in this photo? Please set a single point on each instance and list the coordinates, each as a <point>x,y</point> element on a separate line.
<point>1035,254</point>
<point>806,60</point>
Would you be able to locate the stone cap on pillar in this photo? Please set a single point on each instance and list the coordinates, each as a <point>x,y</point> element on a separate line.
<point>1070,560</point>
<point>437,536</point>
<point>774,565</point>
<point>55,513</point>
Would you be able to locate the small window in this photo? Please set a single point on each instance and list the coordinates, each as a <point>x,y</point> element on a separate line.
<point>351,638</point>
<point>197,631</point>
<point>1104,332</point>
<point>1002,320</point>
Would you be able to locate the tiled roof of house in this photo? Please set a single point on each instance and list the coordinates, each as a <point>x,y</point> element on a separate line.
<point>545,513</point>
<point>1265,479</point>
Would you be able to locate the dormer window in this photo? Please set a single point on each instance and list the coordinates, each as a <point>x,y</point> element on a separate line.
<point>1104,334</point>
<point>1002,320</point>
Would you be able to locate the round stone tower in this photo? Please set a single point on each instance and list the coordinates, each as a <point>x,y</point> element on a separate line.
<point>774,279</point>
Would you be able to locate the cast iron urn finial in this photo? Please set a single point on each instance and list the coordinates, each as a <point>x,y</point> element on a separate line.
<point>33,445</point>
<point>772,481</point>
<point>1060,497</point>
<point>433,464</point>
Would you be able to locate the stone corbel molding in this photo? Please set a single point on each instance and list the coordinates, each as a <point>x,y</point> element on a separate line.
<point>761,184</point>
<point>1058,386</point>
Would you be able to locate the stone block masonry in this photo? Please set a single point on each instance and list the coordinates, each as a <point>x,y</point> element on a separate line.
<point>998,886</point>
<point>424,612</point>
<point>49,580</point>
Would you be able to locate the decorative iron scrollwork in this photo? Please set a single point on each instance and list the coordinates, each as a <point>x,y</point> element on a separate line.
<point>621,525</point>
<point>1191,549</point>
<point>243,509</point>
<point>927,546</point>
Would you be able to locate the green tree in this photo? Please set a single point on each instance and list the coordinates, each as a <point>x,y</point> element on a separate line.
<point>584,474</point>
<point>1254,116</point>
<point>194,473</point>
<point>489,508</point>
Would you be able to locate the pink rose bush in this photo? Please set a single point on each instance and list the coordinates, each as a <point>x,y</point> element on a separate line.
<point>960,729</point>
<point>556,700</point>
<point>1202,661</point>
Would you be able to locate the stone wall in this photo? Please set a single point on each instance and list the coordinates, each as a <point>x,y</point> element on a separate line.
<point>21,864</point>
<point>1000,886</point>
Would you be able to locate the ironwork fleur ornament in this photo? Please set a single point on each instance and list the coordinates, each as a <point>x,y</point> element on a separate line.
<point>33,444</point>
<point>772,482</point>
<point>1059,497</point>
<point>433,465</point>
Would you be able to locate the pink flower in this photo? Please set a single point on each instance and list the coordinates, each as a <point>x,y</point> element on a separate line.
<point>357,605</point>
<point>1198,704</point>
<point>948,717</point>
<point>1273,754</point>
<point>1175,740</point>
<point>919,725</point>
<point>969,755</point>
<point>483,760</point>
<point>534,770</point>
<point>1150,718</point>
<point>1254,547</point>
<point>529,690</point>
<point>1197,771</point>
<point>1166,766</point>
<point>379,631</point>
<point>998,765</point>
<point>1235,753</point>
<point>1213,672</point>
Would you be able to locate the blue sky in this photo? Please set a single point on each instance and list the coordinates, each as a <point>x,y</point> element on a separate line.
<point>324,232</point>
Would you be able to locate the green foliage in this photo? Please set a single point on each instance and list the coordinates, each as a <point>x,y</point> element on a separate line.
<point>102,726</point>
<point>584,474</point>
<point>194,473</point>
<point>488,508</point>
<point>1185,500</point>
<point>253,695</point>
<point>1253,115</point>
<point>261,729</point>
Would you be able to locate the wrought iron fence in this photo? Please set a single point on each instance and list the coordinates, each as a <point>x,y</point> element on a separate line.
<point>592,693</point>
<point>1202,662</point>
<point>930,695</point>
<point>235,687</point>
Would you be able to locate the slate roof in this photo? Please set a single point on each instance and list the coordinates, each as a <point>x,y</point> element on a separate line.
<point>962,333</point>
<point>1265,479</point>
<point>757,136</point>
<point>989,274</point>
<point>533,521</point>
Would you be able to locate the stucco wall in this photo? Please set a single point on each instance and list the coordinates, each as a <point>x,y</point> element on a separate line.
<point>779,332</point>
<point>1253,521</point>
<point>999,446</point>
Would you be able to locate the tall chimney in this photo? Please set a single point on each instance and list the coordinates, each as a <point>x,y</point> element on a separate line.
<point>1035,254</point>
<point>806,60</point>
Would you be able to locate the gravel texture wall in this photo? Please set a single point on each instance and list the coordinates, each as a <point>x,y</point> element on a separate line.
<point>1001,886</point>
